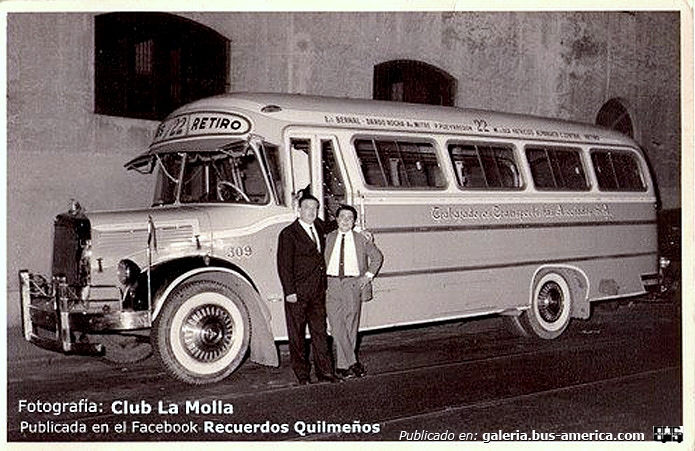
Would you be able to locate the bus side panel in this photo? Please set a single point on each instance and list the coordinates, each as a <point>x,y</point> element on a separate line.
<point>435,271</point>
<point>410,299</point>
<point>614,278</point>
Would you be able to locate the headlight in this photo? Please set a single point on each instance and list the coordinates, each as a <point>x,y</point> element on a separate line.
<point>128,272</point>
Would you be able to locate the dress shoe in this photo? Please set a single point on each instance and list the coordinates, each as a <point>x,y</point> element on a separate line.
<point>357,370</point>
<point>328,378</point>
<point>344,374</point>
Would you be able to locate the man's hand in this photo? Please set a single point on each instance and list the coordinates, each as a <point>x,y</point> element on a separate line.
<point>365,233</point>
<point>365,279</point>
<point>291,298</point>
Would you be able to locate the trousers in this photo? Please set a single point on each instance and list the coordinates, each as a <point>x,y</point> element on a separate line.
<point>298,315</point>
<point>343,308</point>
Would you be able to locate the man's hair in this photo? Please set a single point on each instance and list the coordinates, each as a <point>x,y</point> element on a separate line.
<point>306,196</point>
<point>348,208</point>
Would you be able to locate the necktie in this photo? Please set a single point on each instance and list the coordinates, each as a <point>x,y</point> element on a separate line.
<point>315,238</point>
<point>341,260</point>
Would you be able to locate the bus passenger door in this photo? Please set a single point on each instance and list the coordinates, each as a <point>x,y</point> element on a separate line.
<point>316,163</point>
<point>333,188</point>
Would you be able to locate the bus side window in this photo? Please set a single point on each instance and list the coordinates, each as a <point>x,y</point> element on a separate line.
<point>556,168</point>
<point>394,171</point>
<point>399,164</point>
<point>372,170</point>
<point>484,166</point>
<point>570,164</point>
<point>628,172</point>
<point>603,167</point>
<point>617,171</point>
<point>509,175</point>
<point>461,178</point>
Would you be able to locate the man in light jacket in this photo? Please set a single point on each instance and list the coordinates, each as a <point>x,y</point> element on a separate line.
<point>352,261</point>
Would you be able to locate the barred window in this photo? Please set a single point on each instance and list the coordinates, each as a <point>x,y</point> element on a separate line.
<point>488,166</point>
<point>401,164</point>
<point>556,168</point>
<point>148,64</point>
<point>617,170</point>
<point>414,82</point>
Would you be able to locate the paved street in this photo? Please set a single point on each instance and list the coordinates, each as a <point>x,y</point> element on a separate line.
<point>619,372</point>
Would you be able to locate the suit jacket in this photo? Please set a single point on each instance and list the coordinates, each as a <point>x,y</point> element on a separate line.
<point>369,257</point>
<point>301,266</point>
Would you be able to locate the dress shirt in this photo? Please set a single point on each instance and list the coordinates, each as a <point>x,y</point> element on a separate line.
<point>315,236</point>
<point>351,267</point>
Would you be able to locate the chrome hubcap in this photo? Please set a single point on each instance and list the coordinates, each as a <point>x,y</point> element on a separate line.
<point>208,333</point>
<point>550,302</point>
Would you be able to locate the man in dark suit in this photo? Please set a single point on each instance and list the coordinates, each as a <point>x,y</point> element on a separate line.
<point>303,276</point>
<point>352,260</point>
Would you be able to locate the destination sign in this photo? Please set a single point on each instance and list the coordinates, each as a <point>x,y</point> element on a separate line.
<point>478,126</point>
<point>202,124</point>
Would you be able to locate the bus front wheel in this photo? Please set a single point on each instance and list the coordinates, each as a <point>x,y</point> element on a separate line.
<point>551,305</point>
<point>202,333</point>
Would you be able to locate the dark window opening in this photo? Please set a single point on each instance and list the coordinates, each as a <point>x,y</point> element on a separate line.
<point>388,163</point>
<point>615,116</point>
<point>333,183</point>
<point>617,171</point>
<point>413,82</point>
<point>148,64</point>
<point>272,157</point>
<point>484,166</point>
<point>556,168</point>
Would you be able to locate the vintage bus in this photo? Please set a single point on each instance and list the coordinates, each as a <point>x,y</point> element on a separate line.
<point>476,213</point>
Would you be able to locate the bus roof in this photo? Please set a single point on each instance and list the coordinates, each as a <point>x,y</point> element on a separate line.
<point>299,109</point>
<point>232,116</point>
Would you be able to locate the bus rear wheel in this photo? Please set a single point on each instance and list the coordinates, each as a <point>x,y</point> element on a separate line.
<point>202,333</point>
<point>551,305</point>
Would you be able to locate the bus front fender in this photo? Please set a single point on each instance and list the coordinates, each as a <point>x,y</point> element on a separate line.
<point>262,349</point>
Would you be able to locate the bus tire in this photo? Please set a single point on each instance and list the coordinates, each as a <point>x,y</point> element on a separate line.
<point>515,326</point>
<point>551,307</point>
<point>202,333</point>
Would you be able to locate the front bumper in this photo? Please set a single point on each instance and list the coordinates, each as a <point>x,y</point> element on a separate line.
<point>53,318</point>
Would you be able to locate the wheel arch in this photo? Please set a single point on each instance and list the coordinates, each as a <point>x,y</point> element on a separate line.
<point>262,344</point>
<point>576,280</point>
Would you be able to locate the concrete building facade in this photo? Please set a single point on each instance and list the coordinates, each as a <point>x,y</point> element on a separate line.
<point>565,65</point>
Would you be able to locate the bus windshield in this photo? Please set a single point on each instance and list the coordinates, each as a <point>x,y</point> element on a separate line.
<point>231,174</point>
